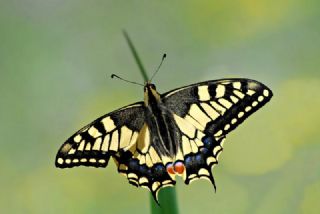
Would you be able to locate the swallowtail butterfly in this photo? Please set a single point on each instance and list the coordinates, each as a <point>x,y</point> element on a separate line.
<point>178,133</point>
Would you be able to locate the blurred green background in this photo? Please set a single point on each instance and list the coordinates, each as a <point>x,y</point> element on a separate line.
<point>55,61</point>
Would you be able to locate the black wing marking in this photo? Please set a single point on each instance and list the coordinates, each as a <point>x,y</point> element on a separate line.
<point>95,143</point>
<point>205,112</point>
<point>143,165</point>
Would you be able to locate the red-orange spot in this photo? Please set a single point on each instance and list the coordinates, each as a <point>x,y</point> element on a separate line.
<point>170,169</point>
<point>179,167</point>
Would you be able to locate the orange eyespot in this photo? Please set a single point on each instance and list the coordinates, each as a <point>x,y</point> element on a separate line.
<point>170,169</point>
<point>179,167</point>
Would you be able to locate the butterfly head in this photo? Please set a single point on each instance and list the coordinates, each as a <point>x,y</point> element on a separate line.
<point>149,86</point>
<point>150,94</point>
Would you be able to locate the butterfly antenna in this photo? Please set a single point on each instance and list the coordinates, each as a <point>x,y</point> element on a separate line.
<point>114,75</point>
<point>163,57</point>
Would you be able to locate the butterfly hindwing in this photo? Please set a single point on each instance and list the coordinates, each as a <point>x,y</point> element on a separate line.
<point>143,165</point>
<point>95,143</point>
<point>205,113</point>
<point>198,152</point>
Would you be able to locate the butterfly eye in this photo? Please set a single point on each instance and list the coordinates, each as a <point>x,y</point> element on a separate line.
<point>153,86</point>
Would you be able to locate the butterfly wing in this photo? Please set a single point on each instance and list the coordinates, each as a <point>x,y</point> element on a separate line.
<point>123,135</point>
<point>95,143</point>
<point>205,112</point>
<point>143,165</point>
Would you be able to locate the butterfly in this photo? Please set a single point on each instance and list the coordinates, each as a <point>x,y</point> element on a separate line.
<point>178,133</point>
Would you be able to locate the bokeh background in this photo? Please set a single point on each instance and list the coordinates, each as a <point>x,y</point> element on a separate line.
<point>55,61</point>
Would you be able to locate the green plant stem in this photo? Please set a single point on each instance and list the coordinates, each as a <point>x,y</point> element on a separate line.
<point>167,200</point>
<point>136,56</point>
<point>167,196</point>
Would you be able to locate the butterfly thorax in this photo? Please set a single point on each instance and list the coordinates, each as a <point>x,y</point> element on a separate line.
<point>159,121</point>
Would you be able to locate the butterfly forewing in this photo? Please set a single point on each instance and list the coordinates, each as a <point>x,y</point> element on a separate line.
<point>212,109</point>
<point>93,144</point>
